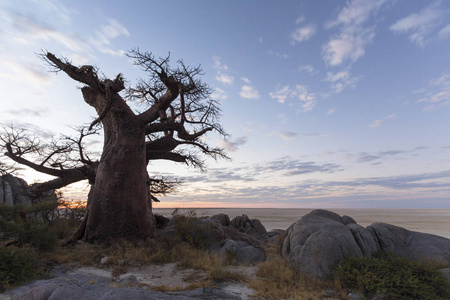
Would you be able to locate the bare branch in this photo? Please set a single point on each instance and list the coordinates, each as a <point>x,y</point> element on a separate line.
<point>84,74</point>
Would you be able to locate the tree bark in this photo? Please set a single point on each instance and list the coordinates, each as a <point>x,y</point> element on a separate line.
<point>119,201</point>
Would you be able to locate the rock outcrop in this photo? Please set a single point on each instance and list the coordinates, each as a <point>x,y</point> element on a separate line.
<point>241,252</point>
<point>413,245</point>
<point>217,234</point>
<point>319,240</point>
<point>15,190</point>
<point>244,224</point>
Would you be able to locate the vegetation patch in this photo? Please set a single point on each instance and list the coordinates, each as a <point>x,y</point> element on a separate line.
<point>18,266</point>
<point>276,280</point>
<point>28,244</point>
<point>392,276</point>
<point>191,228</point>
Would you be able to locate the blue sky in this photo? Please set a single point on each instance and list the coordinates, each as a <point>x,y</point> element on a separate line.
<point>328,103</point>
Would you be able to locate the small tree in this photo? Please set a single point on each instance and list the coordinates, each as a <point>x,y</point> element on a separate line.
<point>179,112</point>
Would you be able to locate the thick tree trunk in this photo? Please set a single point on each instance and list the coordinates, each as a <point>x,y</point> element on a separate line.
<point>119,201</point>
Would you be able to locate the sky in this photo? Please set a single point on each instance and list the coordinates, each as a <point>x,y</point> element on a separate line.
<point>329,104</point>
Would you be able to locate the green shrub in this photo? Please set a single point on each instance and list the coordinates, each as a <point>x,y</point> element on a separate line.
<point>18,266</point>
<point>390,275</point>
<point>37,234</point>
<point>16,226</point>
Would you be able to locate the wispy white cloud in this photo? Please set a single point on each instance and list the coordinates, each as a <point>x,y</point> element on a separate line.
<point>277,54</point>
<point>421,25</point>
<point>224,78</point>
<point>246,80</point>
<point>331,111</point>
<point>309,99</point>
<point>24,70</point>
<point>293,167</point>
<point>287,136</point>
<point>444,32</point>
<point>316,134</point>
<point>303,34</point>
<point>103,37</point>
<point>355,192</point>
<point>438,93</point>
<point>299,92</point>
<point>249,92</point>
<point>233,146</point>
<point>308,68</point>
<point>300,19</point>
<point>28,111</point>
<point>28,30</point>
<point>219,94</point>
<point>354,35</point>
<point>379,157</point>
<point>341,80</point>
<point>46,23</point>
<point>380,122</point>
<point>282,94</point>
<point>221,74</point>
<point>218,64</point>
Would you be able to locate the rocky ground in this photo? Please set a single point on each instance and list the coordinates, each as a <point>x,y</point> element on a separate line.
<point>71,282</point>
<point>313,245</point>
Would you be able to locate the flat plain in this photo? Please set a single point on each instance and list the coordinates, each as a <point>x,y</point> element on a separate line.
<point>434,221</point>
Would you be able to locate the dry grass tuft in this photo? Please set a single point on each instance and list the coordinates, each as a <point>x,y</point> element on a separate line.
<point>192,286</point>
<point>276,280</point>
<point>119,257</point>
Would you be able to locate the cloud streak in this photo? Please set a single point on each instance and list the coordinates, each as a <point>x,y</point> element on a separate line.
<point>365,192</point>
<point>285,166</point>
<point>439,95</point>
<point>341,80</point>
<point>221,74</point>
<point>47,23</point>
<point>300,93</point>
<point>303,34</point>
<point>380,122</point>
<point>354,36</point>
<point>363,157</point>
<point>423,24</point>
<point>233,146</point>
<point>248,91</point>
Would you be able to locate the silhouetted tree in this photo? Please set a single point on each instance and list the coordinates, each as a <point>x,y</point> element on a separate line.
<point>178,112</point>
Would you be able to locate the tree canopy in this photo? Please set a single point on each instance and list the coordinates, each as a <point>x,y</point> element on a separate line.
<point>178,112</point>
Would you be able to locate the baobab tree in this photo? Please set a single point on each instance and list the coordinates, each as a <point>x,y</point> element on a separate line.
<point>179,112</point>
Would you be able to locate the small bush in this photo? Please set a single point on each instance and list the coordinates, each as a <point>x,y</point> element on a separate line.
<point>38,225</point>
<point>36,234</point>
<point>192,229</point>
<point>18,266</point>
<point>390,275</point>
